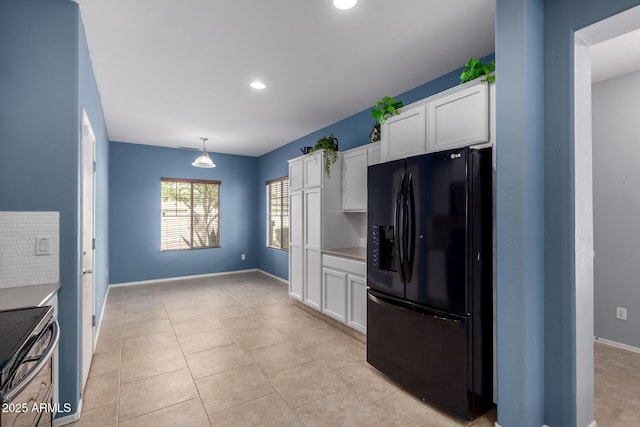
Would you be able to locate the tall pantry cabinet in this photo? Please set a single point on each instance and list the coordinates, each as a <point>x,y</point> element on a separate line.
<point>316,223</point>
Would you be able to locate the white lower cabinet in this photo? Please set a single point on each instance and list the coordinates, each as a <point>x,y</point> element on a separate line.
<point>296,277</point>
<point>296,245</point>
<point>334,303</point>
<point>357,303</point>
<point>313,294</point>
<point>344,289</point>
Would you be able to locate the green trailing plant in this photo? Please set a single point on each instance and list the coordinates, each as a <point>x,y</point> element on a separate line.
<point>330,146</point>
<point>475,68</point>
<point>385,108</point>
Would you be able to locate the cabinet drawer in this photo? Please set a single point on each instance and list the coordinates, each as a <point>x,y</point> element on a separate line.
<point>345,264</point>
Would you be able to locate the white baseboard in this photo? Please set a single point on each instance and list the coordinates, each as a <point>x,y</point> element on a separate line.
<point>593,424</point>
<point>173,279</point>
<point>99,319</point>
<point>274,276</point>
<point>68,419</point>
<point>617,344</point>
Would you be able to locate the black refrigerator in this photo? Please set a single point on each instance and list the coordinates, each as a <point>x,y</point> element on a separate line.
<point>429,277</point>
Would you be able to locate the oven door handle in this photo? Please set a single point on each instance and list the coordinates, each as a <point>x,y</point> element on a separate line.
<point>12,393</point>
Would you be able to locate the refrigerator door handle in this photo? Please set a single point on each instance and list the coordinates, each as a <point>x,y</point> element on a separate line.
<point>409,221</point>
<point>398,234</point>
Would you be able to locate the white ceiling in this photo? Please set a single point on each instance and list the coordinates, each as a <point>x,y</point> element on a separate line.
<point>615,57</point>
<point>172,71</point>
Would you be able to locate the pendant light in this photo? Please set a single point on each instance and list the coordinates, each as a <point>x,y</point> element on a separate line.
<point>203,161</point>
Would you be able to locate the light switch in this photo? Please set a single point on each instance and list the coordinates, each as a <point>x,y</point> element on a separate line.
<point>42,246</point>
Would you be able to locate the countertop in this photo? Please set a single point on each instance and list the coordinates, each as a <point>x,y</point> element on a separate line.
<point>358,253</point>
<point>27,296</point>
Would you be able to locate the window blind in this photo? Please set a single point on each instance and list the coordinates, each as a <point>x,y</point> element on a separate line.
<point>278,213</point>
<point>190,214</point>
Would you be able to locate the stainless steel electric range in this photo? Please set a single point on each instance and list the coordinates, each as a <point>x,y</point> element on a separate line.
<point>28,338</point>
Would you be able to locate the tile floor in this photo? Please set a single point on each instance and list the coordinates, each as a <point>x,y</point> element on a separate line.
<point>617,386</point>
<point>235,351</point>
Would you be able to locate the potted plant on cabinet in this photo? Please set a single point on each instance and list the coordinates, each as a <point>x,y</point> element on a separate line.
<point>385,108</point>
<point>330,146</point>
<point>475,68</point>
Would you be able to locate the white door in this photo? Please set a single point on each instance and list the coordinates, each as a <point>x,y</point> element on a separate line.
<point>88,246</point>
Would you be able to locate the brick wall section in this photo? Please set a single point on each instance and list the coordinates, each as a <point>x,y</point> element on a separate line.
<point>19,265</point>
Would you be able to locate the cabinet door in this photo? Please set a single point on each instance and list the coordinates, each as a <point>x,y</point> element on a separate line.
<point>357,303</point>
<point>295,218</point>
<point>312,244</point>
<point>354,181</point>
<point>313,165</point>
<point>295,174</point>
<point>334,294</point>
<point>459,119</point>
<point>373,153</point>
<point>404,135</point>
<point>312,218</point>
<point>313,278</point>
<point>296,274</point>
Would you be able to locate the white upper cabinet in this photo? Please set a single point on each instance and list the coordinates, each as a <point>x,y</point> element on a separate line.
<point>295,173</point>
<point>354,176</point>
<point>313,169</point>
<point>354,180</point>
<point>403,135</point>
<point>454,118</point>
<point>458,119</point>
<point>373,153</point>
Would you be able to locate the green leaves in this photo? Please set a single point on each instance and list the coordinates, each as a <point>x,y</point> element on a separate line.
<point>330,146</point>
<point>385,108</point>
<point>475,68</point>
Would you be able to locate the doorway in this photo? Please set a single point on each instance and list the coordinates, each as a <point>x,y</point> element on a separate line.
<point>585,39</point>
<point>87,283</point>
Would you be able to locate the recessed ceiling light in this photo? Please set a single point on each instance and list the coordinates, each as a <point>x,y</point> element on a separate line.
<point>258,85</point>
<point>344,4</point>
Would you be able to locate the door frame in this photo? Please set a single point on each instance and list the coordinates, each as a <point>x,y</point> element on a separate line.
<point>87,301</point>
<point>584,38</point>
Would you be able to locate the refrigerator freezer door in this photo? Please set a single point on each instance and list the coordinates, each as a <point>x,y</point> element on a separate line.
<point>384,210</point>
<point>440,190</point>
<point>426,353</point>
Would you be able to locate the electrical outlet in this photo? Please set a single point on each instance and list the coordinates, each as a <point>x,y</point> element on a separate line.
<point>42,246</point>
<point>621,313</point>
<point>242,257</point>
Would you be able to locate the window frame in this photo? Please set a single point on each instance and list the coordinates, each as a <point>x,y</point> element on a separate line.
<point>268,194</point>
<point>191,182</point>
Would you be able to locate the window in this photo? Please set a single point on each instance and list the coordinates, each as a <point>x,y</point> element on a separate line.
<point>190,214</point>
<point>278,213</point>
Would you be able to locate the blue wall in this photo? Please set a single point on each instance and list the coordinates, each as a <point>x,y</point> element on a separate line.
<point>89,99</point>
<point>351,132</point>
<point>46,74</point>
<point>523,280</point>
<point>519,213</point>
<point>561,19</point>
<point>134,213</point>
